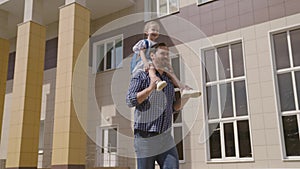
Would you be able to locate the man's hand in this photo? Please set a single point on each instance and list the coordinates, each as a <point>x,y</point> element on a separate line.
<point>142,95</point>
<point>146,66</point>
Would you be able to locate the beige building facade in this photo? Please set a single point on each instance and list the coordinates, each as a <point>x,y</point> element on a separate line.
<point>64,74</point>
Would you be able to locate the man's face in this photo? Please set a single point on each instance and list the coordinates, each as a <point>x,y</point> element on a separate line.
<point>161,58</point>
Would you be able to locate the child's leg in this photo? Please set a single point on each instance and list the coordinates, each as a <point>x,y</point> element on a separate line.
<point>176,82</point>
<point>152,73</point>
<point>186,91</point>
<point>159,83</point>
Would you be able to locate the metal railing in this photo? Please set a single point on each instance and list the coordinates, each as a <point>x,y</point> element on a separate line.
<point>109,157</point>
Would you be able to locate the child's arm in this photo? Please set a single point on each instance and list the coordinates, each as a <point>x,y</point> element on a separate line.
<point>140,49</point>
<point>144,59</point>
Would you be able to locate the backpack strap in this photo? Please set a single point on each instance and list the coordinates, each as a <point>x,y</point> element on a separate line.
<point>147,43</point>
<point>147,52</point>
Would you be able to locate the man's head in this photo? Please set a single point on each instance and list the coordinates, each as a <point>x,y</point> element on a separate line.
<point>160,55</point>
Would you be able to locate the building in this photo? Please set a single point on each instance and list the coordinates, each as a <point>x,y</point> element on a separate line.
<point>64,72</point>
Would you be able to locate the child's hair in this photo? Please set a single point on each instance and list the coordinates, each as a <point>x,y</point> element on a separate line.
<point>151,23</point>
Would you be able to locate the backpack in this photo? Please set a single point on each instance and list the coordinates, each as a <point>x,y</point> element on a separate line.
<point>135,58</point>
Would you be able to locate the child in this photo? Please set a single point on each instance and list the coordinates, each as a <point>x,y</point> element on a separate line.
<point>151,29</point>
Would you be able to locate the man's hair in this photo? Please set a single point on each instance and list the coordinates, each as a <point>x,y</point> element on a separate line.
<point>155,47</point>
<point>151,23</point>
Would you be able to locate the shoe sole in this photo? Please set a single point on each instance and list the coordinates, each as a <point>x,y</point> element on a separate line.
<point>160,86</point>
<point>191,95</point>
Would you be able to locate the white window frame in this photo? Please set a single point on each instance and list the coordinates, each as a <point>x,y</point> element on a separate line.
<point>201,3</point>
<point>99,131</point>
<point>276,89</point>
<point>174,125</point>
<point>41,147</point>
<point>221,121</point>
<point>149,3</point>
<point>105,42</point>
<point>174,56</point>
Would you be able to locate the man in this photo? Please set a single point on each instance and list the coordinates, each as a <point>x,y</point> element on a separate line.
<point>153,114</point>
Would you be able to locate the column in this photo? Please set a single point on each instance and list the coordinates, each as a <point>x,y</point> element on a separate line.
<point>27,90</point>
<point>69,138</point>
<point>4,54</point>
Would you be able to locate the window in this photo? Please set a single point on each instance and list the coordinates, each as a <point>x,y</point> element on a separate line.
<point>108,54</point>
<point>177,129</point>
<point>107,146</point>
<point>226,105</point>
<point>286,56</point>
<point>158,8</point>
<point>178,135</point>
<point>203,1</point>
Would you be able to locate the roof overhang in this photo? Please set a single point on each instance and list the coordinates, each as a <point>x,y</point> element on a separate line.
<point>14,10</point>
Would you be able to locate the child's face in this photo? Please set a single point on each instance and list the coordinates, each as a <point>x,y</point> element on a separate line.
<point>153,32</point>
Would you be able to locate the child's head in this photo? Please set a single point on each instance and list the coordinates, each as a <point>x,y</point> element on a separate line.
<point>151,29</point>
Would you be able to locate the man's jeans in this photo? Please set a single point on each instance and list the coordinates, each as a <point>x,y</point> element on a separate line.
<point>151,147</point>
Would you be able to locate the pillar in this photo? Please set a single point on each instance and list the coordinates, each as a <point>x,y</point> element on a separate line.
<point>27,95</point>
<point>69,138</point>
<point>4,54</point>
<point>27,90</point>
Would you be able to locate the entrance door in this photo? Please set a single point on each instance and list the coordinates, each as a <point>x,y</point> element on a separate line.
<point>107,146</point>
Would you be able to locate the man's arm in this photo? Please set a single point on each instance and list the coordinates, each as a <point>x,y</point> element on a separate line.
<point>142,95</point>
<point>136,95</point>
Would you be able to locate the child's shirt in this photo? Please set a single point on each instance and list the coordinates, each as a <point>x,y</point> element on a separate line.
<point>142,45</point>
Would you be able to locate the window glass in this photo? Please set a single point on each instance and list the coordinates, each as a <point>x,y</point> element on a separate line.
<point>173,5</point>
<point>163,8</point>
<point>297,76</point>
<point>41,135</point>
<point>109,140</point>
<point>286,93</point>
<point>176,66</point>
<point>212,102</point>
<point>109,55</point>
<point>226,100</point>
<point>244,138</point>
<point>214,140</point>
<point>229,137</point>
<point>281,51</point>
<point>119,53</point>
<point>100,57</point>
<point>240,98</point>
<point>237,60</point>
<point>112,139</point>
<point>210,65</point>
<point>224,64</point>
<point>295,43</point>
<point>178,137</point>
<point>291,135</point>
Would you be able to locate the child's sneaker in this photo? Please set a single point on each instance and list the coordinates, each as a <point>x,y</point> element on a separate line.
<point>160,85</point>
<point>190,93</point>
<point>176,89</point>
